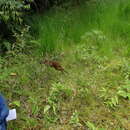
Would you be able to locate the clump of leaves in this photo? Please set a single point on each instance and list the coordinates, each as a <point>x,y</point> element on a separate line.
<point>11,12</point>
<point>92,126</point>
<point>58,93</point>
<point>21,44</point>
<point>11,21</point>
<point>75,119</point>
<point>109,99</point>
<point>83,90</point>
<point>84,52</point>
<point>89,55</point>
<point>15,103</point>
<point>124,91</point>
<point>112,102</point>
<point>95,37</point>
<point>88,49</point>
<point>35,105</point>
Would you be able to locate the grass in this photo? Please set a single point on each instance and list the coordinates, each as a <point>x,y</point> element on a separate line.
<point>66,26</point>
<point>91,42</point>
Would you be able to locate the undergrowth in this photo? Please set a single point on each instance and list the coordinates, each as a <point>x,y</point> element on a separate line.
<point>93,46</point>
<point>61,27</point>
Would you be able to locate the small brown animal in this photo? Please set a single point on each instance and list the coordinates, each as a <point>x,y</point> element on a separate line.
<point>56,65</point>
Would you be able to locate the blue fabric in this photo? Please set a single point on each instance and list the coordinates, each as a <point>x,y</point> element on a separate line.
<point>4,112</point>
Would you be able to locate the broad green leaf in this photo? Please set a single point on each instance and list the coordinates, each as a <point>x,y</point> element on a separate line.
<point>17,103</point>
<point>47,107</point>
<point>90,125</point>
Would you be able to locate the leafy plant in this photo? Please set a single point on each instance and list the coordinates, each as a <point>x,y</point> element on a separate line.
<point>22,42</point>
<point>75,119</point>
<point>84,52</point>
<point>125,91</point>
<point>104,93</point>
<point>112,102</point>
<point>58,93</point>
<point>16,103</point>
<point>11,13</point>
<point>11,20</point>
<point>83,91</point>
<point>90,43</point>
<point>91,126</point>
<point>35,108</point>
<point>93,37</point>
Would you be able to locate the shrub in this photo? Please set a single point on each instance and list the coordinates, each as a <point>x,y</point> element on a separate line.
<point>11,20</point>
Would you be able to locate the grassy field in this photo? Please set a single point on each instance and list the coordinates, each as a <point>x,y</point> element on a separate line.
<point>91,41</point>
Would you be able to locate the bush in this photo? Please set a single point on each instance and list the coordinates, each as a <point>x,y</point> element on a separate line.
<point>11,20</point>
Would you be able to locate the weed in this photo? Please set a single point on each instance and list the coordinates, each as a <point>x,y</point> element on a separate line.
<point>91,126</point>
<point>75,119</point>
<point>95,45</point>
<point>58,93</point>
<point>124,91</point>
<point>112,102</point>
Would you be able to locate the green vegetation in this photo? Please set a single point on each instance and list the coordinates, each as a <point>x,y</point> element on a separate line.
<point>12,25</point>
<point>91,41</point>
<point>67,26</point>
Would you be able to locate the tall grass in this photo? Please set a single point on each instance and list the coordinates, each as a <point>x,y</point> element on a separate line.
<point>64,27</point>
